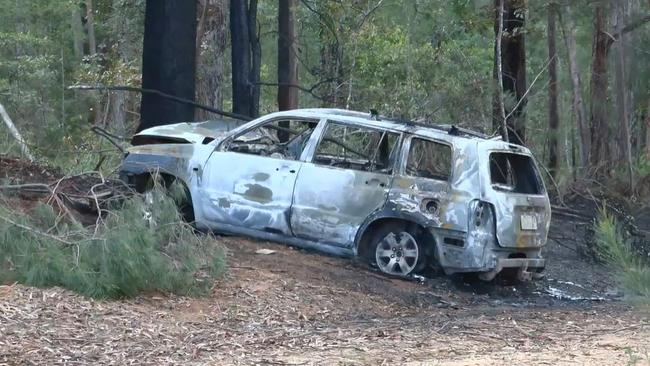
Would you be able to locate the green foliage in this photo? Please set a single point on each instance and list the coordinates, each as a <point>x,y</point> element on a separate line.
<point>615,249</point>
<point>141,246</point>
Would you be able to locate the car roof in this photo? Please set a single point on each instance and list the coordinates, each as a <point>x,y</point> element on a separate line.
<point>447,131</point>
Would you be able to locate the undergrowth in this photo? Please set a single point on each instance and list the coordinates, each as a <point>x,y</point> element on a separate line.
<point>615,248</point>
<point>142,245</point>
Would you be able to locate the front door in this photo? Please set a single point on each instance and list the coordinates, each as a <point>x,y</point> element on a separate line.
<point>249,181</point>
<point>345,181</point>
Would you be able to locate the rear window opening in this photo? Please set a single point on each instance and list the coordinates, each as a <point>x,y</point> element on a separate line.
<point>514,173</point>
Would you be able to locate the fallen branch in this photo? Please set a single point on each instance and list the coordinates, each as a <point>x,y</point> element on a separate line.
<point>35,231</point>
<point>15,133</point>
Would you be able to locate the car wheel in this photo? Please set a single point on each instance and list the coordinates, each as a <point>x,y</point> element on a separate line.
<point>397,251</point>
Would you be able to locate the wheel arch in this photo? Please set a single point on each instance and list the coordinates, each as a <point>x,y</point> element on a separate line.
<point>411,222</point>
<point>141,182</point>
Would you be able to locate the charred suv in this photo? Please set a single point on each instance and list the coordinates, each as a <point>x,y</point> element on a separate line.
<point>401,195</point>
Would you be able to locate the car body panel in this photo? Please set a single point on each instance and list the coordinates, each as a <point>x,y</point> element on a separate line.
<point>330,204</point>
<point>255,195</point>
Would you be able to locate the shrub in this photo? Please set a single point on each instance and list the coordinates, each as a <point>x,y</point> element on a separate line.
<point>141,245</point>
<point>615,248</point>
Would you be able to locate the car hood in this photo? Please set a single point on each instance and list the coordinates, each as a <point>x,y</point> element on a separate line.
<point>192,132</point>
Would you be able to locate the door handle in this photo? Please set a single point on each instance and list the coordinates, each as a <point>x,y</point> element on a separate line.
<point>292,171</point>
<point>376,181</point>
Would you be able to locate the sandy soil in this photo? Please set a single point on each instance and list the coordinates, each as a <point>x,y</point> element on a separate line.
<point>293,307</point>
<point>297,308</point>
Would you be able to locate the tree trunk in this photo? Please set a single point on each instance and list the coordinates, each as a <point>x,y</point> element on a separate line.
<point>624,143</point>
<point>499,103</point>
<point>243,92</point>
<point>256,58</point>
<point>599,154</point>
<point>579,109</point>
<point>331,55</point>
<point>646,123</point>
<point>212,48</point>
<point>168,61</point>
<point>287,56</point>
<point>77,32</point>
<point>513,73</point>
<point>553,115</point>
<point>90,28</point>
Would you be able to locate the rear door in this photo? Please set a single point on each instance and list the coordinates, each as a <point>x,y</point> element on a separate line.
<point>345,179</point>
<point>515,188</point>
<point>249,180</point>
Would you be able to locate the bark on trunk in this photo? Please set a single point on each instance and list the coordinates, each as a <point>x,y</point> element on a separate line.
<point>331,55</point>
<point>244,95</point>
<point>513,75</point>
<point>646,123</point>
<point>212,48</point>
<point>170,31</point>
<point>256,58</point>
<point>90,28</point>
<point>579,108</point>
<point>498,70</point>
<point>553,115</point>
<point>287,56</point>
<point>77,32</point>
<point>624,143</point>
<point>599,155</point>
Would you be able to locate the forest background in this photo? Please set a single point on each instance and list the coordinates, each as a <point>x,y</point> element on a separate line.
<point>574,84</point>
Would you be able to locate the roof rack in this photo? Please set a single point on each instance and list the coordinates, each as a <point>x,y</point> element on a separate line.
<point>374,115</point>
<point>448,128</point>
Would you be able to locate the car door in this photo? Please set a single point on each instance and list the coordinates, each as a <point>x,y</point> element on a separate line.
<point>345,179</point>
<point>249,179</point>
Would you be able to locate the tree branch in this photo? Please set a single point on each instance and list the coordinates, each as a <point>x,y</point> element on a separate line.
<point>163,95</point>
<point>300,87</point>
<point>628,28</point>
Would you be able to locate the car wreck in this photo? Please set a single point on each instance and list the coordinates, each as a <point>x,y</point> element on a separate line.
<point>401,195</point>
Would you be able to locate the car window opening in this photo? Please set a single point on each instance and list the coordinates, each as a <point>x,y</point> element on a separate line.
<point>358,148</point>
<point>428,159</point>
<point>284,139</point>
<point>514,173</point>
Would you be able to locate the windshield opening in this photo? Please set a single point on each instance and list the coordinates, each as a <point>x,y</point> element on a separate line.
<point>514,173</point>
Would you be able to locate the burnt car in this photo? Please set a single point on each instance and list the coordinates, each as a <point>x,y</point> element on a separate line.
<point>401,195</point>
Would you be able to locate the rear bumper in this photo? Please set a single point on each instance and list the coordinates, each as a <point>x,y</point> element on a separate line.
<point>527,268</point>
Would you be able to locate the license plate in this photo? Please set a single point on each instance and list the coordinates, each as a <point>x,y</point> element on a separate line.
<point>528,222</point>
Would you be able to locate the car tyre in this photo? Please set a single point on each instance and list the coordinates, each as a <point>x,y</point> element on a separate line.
<point>397,251</point>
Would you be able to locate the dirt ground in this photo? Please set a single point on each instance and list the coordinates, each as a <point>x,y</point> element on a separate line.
<point>294,307</point>
<point>298,308</point>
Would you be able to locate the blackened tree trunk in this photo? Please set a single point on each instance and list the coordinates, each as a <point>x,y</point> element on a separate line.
<point>245,57</point>
<point>553,115</point>
<point>168,61</point>
<point>598,127</point>
<point>256,57</point>
<point>287,57</point>
<point>241,57</point>
<point>513,73</point>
